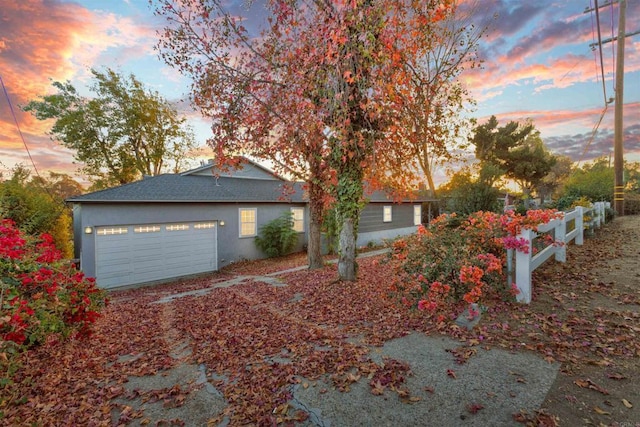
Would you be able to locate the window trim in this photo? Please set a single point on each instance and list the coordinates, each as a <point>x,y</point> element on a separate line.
<point>387,209</point>
<point>417,216</point>
<point>298,221</point>
<point>241,223</point>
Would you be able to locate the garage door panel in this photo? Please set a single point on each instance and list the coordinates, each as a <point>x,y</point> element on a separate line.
<point>149,265</point>
<point>110,277</point>
<point>143,253</point>
<point>152,246</point>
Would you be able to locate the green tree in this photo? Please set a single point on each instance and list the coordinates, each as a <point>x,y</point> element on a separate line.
<point>516,149</point>
<point>35,207</point>
<point>632,177</point>
<point>125,131</point>
<point>468,192</point>
<point>60,185</point>
<point>593,180</point>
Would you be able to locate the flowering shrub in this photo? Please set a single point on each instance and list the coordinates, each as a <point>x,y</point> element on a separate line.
<point>455,260</point>
<point>42,298</point>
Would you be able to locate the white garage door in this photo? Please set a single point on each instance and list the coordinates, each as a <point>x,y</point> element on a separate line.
<point>142,253</point>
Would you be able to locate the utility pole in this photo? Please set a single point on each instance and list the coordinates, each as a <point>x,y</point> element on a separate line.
<point>618,141</point>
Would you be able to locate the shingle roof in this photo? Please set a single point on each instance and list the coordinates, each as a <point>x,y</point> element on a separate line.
<point>198,188</point>
<point>193,188</point>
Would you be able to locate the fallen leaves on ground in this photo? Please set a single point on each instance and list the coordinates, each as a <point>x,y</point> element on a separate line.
<point>473,408</point>
<point>259,341</point>
<point>587,383</point>
<point>536,419</point>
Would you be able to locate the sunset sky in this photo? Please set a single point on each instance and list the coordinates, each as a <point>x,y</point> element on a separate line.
<point>538,65</point>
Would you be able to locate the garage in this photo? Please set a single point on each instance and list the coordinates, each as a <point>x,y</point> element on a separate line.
<point>139,253</point>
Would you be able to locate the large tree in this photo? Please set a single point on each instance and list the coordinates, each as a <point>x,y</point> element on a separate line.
<point>121,133</point>
<point>434,96</point>
<point>516,149</point>
<point>315,93</point>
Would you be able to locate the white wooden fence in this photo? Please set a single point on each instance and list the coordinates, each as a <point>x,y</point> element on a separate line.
<point>525,263</point>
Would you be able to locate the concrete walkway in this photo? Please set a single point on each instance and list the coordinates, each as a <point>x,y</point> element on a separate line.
<point>497,383</point>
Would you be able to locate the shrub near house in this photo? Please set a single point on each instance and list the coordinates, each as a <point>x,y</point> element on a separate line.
<point>43,298</point>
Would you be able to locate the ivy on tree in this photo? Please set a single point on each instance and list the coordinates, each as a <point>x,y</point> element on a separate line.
<point>123,132</point>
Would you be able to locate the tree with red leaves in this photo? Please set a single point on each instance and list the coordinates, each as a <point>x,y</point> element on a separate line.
<point>317,93</point>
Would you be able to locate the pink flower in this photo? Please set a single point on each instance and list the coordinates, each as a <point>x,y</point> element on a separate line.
<point>518,243</point>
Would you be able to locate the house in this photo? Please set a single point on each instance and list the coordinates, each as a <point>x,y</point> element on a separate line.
<point>175,225</point>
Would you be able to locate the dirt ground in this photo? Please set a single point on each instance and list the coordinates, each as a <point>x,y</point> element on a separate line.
<point>599,390</point>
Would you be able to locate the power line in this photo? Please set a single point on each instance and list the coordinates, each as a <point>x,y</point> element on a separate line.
<point>593,134</point>
<point>613,50</point>
<point>24,142</point>
<point>604,89</point>
<point>15,119</point>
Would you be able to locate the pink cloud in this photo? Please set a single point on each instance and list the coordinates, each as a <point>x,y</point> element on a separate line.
<point>41,41</point>
<point>513,60</point>
<point>570,132</point>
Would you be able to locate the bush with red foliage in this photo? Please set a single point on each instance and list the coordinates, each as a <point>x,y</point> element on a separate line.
<point>458,260</point>
<point>43,298</point>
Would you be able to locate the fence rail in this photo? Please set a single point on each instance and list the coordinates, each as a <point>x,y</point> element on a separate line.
<point>527,262</point>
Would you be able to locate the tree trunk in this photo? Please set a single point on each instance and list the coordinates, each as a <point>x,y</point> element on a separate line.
<point>347,266</point>
<point>426,169</point>
<point>316,215</point>
<point>314,249</point>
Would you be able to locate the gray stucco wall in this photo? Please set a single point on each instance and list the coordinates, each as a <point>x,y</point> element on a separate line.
<point>231,248</point>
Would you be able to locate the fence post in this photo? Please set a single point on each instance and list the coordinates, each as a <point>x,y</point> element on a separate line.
<point>509,267</point>
<point>560,237</point>
<point>598,209</point>
<point>580,225</point>
<point>603,214</point>
<point>523,268</point>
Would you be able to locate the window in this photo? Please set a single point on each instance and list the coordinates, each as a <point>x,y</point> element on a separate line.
<point>203,225</point>
<point>112,231</point>
<point>247,222</point>
<point>417,214</point>
<point>146,229</point>
<point>177,227</point>
<point>297,215</point>
<point>386,214</point>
